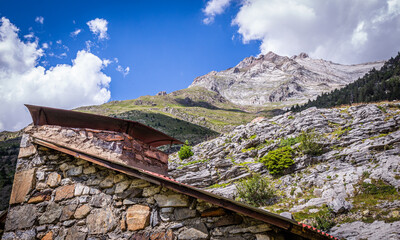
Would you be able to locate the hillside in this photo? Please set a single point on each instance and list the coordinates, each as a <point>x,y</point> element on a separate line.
<point>377,85</point>
<point>9,147</point>
<point>193,114</point>
<point>345,174</point>
<point>285,81</point>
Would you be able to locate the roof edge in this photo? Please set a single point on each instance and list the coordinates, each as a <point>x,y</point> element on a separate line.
<point>262,215</point>
<point>67,118</point>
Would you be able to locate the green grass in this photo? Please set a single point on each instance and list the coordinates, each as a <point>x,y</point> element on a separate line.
<point>253,137</point>
<point>219,185</point>
<point>195,114</point>
<point>248,149</point>
<point>193,162</point>
<point>369,195</point>
<point>378,136</point>
<point>341,131</point>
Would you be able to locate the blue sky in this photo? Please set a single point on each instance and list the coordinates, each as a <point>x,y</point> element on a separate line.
<point>164,43</point>
<point>68,54</point>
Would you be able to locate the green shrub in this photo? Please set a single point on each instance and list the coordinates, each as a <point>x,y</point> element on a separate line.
<point>278,160</point>
<point>309,143</point>
<point>288,142</point>
<point>185,151</point>
<point>256,191</point>
<point>324,222</point>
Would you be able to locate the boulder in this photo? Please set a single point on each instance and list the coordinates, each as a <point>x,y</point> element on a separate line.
<point>339,205</point>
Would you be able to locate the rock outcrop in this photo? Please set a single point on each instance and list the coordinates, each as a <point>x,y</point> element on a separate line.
<point>356,178</point>
<point>273,78</point>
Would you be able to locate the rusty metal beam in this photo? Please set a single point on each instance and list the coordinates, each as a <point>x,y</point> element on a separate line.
<point>67,118</point>
<point>267,217</point>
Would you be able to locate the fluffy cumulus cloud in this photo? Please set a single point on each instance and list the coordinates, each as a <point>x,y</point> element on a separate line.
<point>22,80</point>
<point>214,7</point>
<point>342,31</point>
<point>98,27</point>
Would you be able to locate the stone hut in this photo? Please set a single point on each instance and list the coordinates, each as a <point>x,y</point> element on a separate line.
<point>84,176</point>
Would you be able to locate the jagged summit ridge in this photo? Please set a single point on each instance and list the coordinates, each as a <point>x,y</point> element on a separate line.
<point>273,78</point>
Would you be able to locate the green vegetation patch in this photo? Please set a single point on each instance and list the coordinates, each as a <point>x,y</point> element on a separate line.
<point>288,142</point>
<point>322,219</point>
<point>219,185</point>
<point>341,131</point>
<point>193,162</point>
<point>310,143</point>
<point>253,137</point>
<point>248,149</point>
<point>256,191</point>
<point>185,151</point>
<point>379,136</point>
<point>368,196</point>
<point>278,160</point>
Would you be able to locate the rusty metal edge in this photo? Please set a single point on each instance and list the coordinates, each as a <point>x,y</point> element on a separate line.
<point>40,111</point>
<point>267,217</point>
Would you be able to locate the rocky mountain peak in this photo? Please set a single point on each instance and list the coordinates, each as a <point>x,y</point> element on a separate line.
<point>301,55</point>
<point>273,78</point>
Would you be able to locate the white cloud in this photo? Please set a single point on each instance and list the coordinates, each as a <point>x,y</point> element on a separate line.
<point>29,36</point>
<point>106,62</point>
<point>39,19</point>
<point>342,31</point>
<point>22,80</point>
<point>59,41</point>
<point>98,27</point>
<point>360,36</point>
<point>76,32</point>
<point>122,70</point>
<point>213,8</point>
<point>45,45</point>
<point>89,44</point>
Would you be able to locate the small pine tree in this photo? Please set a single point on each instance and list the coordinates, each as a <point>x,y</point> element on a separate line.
<point>185,151</point>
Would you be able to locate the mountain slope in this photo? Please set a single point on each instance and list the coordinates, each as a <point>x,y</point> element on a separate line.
<point>9,147</point>
<point>202,113</point>
<point>273,78</point>
<point>352,182</point>
<point>377,85</point>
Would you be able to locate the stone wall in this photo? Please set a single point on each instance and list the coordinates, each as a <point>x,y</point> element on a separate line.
<point>56,196</point>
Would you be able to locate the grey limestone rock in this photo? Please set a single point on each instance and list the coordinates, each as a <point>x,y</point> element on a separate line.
<point>339,205</point>
<point>372,231</point>
<point>52,213</point>
<point>359,142</point>
<point>21,217</point>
